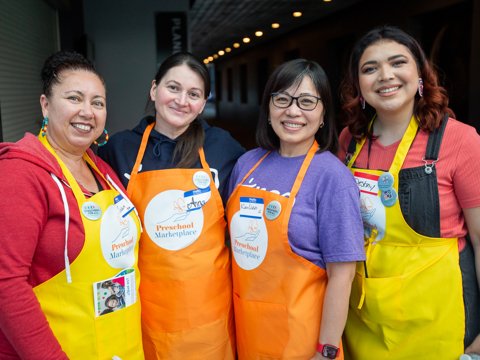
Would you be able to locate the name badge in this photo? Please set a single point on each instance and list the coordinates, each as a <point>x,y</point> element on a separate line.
<point>91,210</point>
<point>251,207</point>
<point>367,183</point>
<point>195,199</point>
<point>123,205</point>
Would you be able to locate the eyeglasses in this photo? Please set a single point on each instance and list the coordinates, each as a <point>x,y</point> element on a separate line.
<point>304,102</point>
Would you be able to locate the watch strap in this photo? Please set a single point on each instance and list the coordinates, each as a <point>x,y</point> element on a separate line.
<point>329,351</point>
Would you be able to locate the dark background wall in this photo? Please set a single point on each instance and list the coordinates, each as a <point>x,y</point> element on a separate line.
<point>444,28</point>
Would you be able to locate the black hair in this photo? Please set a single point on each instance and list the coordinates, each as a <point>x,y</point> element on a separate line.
<point>285,76</point>
<point>61,61</point>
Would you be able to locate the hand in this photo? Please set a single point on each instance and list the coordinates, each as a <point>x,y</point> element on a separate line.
<point>474,347</point>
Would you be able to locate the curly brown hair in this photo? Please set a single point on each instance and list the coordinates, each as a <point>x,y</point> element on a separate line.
<point>429,109</point>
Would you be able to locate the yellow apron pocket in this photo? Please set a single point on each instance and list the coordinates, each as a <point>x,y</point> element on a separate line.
<point>383,299</point>
<point>263,327</point>
<point>120,324</point>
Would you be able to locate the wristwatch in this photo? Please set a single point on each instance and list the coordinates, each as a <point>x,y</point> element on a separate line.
<point>327,350</point>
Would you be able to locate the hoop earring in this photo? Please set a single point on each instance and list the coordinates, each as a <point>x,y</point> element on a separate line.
<point>321,125</point>
<point>44,126</point>
<point>96,142</point>
<point>420,87</point>
<point>362,102</point>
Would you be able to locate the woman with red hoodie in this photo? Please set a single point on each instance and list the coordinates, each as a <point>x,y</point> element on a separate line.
<point>66,228</point>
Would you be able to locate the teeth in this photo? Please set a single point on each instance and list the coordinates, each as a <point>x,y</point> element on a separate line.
<point>82,127</point>
<point>292,125</point>
<point>384,91</point>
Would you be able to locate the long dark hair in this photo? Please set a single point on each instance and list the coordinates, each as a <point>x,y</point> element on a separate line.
<point>185,154</point>
<point>285,76</point>
<point>429,109</point>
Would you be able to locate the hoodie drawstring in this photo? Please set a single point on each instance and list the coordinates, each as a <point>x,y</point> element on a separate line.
<point>67,223</point>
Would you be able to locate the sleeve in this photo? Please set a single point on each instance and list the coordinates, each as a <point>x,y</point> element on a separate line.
<point>466,176</point>
<point>343,140</point>
<point>23,210</point>
<point>340,225</point>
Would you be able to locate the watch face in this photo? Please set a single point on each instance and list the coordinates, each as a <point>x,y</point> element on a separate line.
<point>329,352</point>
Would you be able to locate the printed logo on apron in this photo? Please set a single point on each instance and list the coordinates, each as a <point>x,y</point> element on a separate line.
<point>249,234</point>
<point>371,206</point>
<point>172,222</point>
<point>118,237</point>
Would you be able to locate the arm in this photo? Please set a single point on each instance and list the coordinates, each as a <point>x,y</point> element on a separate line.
<point>23,211</point>
<point>335,307</point>
<point>472,218</point>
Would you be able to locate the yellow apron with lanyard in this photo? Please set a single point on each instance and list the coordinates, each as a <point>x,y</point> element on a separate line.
<point>406,300</point>
<point>74,299</point>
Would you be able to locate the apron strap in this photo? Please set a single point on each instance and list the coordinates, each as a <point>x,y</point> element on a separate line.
<point>138,160</point>
<point>435,140</point>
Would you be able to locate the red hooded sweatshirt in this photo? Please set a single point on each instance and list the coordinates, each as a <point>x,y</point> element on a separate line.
<point>32,231</point>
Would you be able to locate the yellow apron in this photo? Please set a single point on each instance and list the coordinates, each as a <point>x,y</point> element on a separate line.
<point>406,300</point>
<point>186,290</point>
<point>69,298</point>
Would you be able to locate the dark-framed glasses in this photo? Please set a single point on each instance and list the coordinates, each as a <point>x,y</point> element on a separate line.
<point>304,102</point>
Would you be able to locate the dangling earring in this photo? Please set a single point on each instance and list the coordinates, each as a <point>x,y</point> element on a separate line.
<point>44,126</point>
<point>322,125</point>
<point>420,87</point>
<point>362,102</point>
<point>96,142</point>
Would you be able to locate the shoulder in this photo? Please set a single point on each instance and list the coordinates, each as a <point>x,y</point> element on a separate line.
<point>221,149</point>
<point>249,158</point>
<point>216,138</point>
<point>327,170</point>
<point>459,130</point>
<point>344,141</point>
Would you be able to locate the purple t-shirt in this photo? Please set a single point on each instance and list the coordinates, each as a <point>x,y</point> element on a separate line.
<point>325,224</point>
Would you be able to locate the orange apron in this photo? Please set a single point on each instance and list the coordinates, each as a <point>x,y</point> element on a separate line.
<point>69,298</point>
<point>186,290</point>
<point>278,295</point>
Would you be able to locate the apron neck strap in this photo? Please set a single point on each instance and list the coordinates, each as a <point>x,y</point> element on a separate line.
<point>77,191</point>
<point>402,149</point>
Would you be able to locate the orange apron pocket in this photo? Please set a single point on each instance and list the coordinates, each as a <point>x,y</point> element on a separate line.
<point>268,327</point>
<point>191,343</point>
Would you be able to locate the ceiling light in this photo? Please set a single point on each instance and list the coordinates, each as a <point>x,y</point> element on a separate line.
<point>221,52</point>
<point>227,49</point>
<point>297,14</point>
<point>258,33</point>
<point>205,61</point>
<point>236,45</point>
<point>327,0</point>
<point>246,40</point>
<point>210,58</point>
<point>215,56</point>
<point>275,25</point>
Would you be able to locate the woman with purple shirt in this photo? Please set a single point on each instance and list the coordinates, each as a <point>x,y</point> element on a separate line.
<point>295,225</point>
